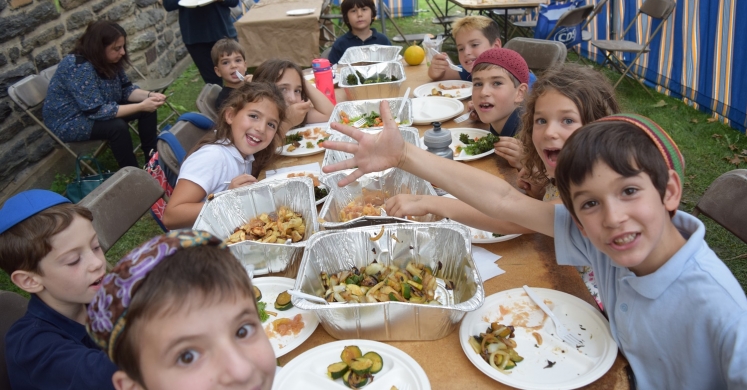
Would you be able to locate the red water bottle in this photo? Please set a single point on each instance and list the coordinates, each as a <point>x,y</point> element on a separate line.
<point>323,76</point>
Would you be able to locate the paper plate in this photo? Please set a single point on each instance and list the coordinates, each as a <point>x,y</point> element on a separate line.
<point>484,236</point>
<point>303,150</point>
<point>435,109</point>
<point>284,175</point>
<point>572,368</point>
<point>300,11</point>
<point>271,287</point>
<point>464,91</point>
<point>194,3</point>
<point>309,369</point>
<point>472,133</point>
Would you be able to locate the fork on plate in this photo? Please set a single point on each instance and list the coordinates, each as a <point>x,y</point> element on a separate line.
<point>463,117</point>
<point>562,332</point>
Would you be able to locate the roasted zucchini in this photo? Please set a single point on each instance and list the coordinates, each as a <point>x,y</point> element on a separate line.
<point>361,366</point>
<point>337,370</point>
<point>257,293</point>
<point>378,362</point>
<point>350,353</point>
<point>283,301</point>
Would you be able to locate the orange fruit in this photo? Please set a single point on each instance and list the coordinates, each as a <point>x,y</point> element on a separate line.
<point>414,55</point>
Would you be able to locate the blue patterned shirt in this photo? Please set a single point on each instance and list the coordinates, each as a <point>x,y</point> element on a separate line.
<point>78,96</point>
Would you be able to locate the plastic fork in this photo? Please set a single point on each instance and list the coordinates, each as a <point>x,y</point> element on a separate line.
<point>360,122</point>
<point>562,332</point>
<point>451,64</point>
<point>308,297</point>
<point>463,117</point>
<point>239,75</point>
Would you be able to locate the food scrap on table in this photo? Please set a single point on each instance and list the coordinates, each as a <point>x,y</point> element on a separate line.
<point>275,227</point>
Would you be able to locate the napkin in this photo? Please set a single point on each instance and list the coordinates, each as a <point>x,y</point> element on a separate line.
<point>314,168</point>
<point>485,262</point>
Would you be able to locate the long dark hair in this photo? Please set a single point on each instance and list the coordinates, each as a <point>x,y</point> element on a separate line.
<point>93,43</point>
<point>271,71</point>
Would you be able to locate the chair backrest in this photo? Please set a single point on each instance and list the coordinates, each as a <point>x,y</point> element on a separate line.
<point>12,308</point>
<point>120,201</point>
<point>29,91</point>
<point>594,13</point>
<point>49,72</point>
<point>573,17</point>
<point>724,202</point>
<point>659,9</point>
<point>206,100</point>
<point>187,134</point>
<point>540,54</point>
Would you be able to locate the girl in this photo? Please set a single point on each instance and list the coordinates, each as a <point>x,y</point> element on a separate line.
<point>306,104</point>
<point>232,155</point>
<point>562,101</point>
<point>190,315</point>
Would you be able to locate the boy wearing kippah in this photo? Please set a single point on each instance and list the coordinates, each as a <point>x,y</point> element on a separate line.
<point>675,310</point>
<point>50,250</point>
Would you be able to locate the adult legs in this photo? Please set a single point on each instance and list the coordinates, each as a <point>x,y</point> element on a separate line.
<point>200,53</point>
<point>117,133</point>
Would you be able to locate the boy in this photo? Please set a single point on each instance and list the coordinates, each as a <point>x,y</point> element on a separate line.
<point>672,304</point>
<point>498,89</point>
<point>228,58</point>
<point>50,250</point>
<point>358,15</point>
<point>473,35</point>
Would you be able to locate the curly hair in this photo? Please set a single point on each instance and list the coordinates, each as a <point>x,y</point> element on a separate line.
<point>587,88</point>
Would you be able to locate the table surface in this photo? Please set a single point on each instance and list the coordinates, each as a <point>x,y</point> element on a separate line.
<point>493,4</point>
<point>528,259</point>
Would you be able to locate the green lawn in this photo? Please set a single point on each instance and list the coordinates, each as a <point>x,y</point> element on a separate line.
<point>706,144</point>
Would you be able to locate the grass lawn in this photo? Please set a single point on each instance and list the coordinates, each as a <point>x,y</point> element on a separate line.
<point>706,144</point>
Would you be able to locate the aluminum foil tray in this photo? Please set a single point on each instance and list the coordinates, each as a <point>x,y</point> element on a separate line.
<point>377,90</point>
<point>429,244</point>
<point>410,134</point>
<point>389,182</point>
<point>364,55</point>
<point>360,107</point>
<point>223,212</point>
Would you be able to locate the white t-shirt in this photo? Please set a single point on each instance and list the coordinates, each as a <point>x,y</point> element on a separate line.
<point>213,166</point>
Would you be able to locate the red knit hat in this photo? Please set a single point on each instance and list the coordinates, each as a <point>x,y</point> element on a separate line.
<point>507,59</point>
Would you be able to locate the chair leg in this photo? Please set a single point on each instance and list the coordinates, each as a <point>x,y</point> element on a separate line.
<point>627,69</point>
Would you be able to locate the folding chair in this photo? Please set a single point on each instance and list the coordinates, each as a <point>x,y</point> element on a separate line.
<point>540,54</point>
<point>441,17</point>
<point>160,86</point>
<point>29,94</point>
<point>328,24</point>
<point>724,202</point>
<point>120,202</point>
<point>655,9</point>
<point>206,100</point>
<point>585,33</point>
<point>13,307</point>
<point>187,134</point>
<point>572,18</point>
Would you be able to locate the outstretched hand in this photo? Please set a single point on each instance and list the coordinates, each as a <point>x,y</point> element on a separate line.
<point>373,152</point>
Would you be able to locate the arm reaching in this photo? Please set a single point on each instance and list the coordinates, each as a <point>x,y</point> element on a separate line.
<point>322,106</point>
<point>440,70</point>
<point>485,192</point>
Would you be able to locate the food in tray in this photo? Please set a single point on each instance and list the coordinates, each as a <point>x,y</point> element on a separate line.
<point>356,369</point>
<point>378,283</point>
<point>477,145</point>
<point>368,204</point>
<point>313,177</point>
<point>496,347</point>
<point>377,78</point>
<point>373,119</point>
<point>320,191</point>
<point>276,228</point>
<point>285,326</point>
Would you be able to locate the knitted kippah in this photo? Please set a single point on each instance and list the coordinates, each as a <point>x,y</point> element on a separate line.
<point>662,140</point>
<point>506,59</point>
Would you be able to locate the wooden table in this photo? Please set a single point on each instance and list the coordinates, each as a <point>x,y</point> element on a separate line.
<point>482,6</point>
<point>266,32</point>
<point>528,259</point>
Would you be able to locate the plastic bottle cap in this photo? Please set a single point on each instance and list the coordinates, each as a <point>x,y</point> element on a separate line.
<point>436,137</point>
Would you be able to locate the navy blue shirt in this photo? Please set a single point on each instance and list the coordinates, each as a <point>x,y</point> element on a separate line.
<point>350,40</point>
<point>46,350</point>
<point>205,24</point>
<point>512,125</point>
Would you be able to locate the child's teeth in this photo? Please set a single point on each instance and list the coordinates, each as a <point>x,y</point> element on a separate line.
<point>626,239</point>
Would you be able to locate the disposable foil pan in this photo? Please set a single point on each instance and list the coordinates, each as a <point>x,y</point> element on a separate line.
<point>363,55</point>
<point>360,107</point>
<point>410,134</point>
<point>377,90</point>
<point>429,244</point>
<point>389,183</point>
<point>225,211</point>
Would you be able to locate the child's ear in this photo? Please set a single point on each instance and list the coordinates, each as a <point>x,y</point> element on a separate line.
<point>497,43</point>
<point>521,92</point>
<point>123,382</point>
<point>216,72</point>
<point>229,115</point>
<point>27,281</point>
<point>673,191</point>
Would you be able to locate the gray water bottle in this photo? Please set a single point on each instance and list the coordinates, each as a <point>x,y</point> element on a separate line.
<point>438,141</point>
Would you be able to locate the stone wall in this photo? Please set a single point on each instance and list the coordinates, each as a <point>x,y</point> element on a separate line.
<point>36,34</point>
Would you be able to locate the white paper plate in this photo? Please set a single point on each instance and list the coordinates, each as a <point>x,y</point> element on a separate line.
<point>461,93</point>
<point>435,109</point>
<point>472,133</point>
<point>284,175</point>
<point>194,3</point>
<point>484,236</point>
<point>271,287</point>
<point>309,369</point>
<point>573,368</point>
<point>303,150</point>
<point>300,11</point>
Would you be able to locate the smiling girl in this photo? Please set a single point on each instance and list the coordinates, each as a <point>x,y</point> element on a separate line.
<point>232,156</point>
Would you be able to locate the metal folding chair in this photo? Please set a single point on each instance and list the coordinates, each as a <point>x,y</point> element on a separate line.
<point>120,202</point>
<point>655,9</point>
<point>206,100</point>
<point>540,54</point>
<point>29,94</point>
<point>160,86</point>
<point>188,135</point>
<point>571,18</point>
<point>724,202</point>
<point>441,17</point>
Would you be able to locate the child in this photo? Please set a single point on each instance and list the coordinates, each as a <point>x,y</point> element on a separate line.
<point>179,313</point>
<point>672,304</point>
<point>358,15</point>
<point>306,104</point>
<point>50,250</point>
<point>232,156</point>
<point>473,35</point>
<point>562,101</point>
<point>228,58</point>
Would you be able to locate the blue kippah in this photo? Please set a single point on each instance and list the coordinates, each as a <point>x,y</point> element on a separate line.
<point>25,204</point>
